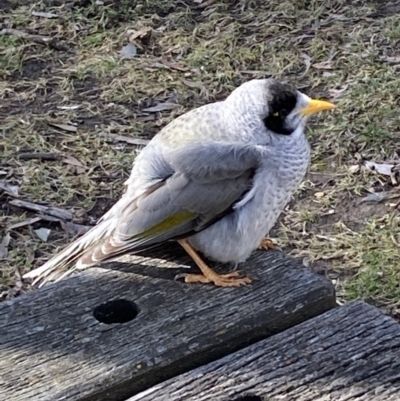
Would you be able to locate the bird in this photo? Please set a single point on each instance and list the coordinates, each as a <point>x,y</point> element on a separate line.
<point>215,179</point>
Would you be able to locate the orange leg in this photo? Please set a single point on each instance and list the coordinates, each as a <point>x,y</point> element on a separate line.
<point>209,275</point>
<point>266,244</point>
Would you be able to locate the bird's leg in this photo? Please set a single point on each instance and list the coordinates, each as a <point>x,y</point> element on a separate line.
<point>209,275</point>
<point>266,244</point>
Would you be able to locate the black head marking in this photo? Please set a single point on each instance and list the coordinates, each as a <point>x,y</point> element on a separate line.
<point>282,100</point>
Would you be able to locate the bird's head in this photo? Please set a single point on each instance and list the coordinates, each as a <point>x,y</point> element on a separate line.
<point>281,108</point>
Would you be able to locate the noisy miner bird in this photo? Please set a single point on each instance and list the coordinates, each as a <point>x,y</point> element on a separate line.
<point>215,179</point>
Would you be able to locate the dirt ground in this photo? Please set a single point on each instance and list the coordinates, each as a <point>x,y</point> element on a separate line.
<point>72,109</point>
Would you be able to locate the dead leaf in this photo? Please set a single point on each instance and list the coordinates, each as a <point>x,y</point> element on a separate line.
<point>10,189</point>
<point>161,107</point>
<point>4,246</point>
<point>354,168</point>
<point>73,161</point>
<point>64,127</point>
<point>192,84</point>
<point>390,60</point>
<point>128,51</point>
<point>391,170</point>
<point>43,233</point>
<point>381,168</point>
<point>142,32</point>
<point>18,281</point>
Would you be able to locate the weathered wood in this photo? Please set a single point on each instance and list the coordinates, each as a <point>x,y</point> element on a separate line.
<point>52,348</point>
<point>350,353</point>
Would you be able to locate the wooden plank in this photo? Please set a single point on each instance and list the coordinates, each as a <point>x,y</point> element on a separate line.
<point>350,353</point>
<point>52,347</point>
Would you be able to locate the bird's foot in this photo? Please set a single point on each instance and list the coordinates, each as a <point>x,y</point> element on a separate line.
<point>209,275</point>
<point>266,244</point>
<point>220,280</point>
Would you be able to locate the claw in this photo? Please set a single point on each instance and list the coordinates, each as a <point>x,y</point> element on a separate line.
<point>220,280</point>
<point>266,244</point>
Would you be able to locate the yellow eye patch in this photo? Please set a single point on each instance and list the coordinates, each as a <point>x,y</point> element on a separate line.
<point>276,114</point>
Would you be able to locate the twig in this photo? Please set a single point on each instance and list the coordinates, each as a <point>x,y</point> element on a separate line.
<point>43,40</point>
<point>24,223</point>
<point>43,14</point>
<point>39,156</point>
<point>204,4</point>
<point>52,211</point>
<point>123,138</point>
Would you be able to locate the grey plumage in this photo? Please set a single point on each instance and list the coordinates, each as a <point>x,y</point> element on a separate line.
<point>216,174</point>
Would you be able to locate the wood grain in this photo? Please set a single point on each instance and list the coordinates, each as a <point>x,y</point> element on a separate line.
<point>351,353</point>
<point>52,347</point>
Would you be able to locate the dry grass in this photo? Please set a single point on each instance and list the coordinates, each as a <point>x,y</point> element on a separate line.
<point>345,50</point>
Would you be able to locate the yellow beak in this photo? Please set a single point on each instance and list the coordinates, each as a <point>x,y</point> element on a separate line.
<point>316,105</point>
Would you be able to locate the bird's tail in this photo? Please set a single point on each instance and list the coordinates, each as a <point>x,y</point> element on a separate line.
<point>59,266</point>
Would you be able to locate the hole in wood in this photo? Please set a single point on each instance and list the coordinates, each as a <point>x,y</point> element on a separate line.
<point>249,397</point>
<point>116,311</point>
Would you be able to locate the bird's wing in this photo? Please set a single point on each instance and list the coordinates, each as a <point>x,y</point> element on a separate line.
<point>208,179</point>
<point>205,181</point>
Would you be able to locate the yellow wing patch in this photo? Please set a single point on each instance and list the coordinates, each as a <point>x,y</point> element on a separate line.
<point>168,223</point>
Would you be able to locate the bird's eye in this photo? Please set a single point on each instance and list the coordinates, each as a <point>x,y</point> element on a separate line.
<point>281,114</point>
